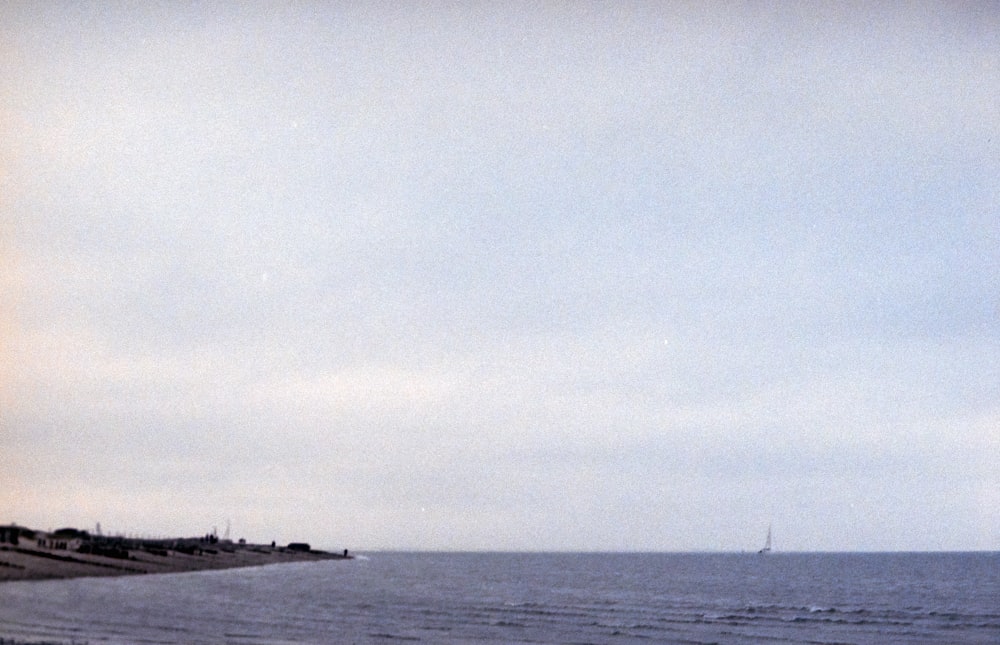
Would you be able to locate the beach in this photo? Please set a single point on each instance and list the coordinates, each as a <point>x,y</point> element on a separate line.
<point>38,559</point>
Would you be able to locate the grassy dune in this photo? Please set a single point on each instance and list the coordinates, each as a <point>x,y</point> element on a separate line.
<point>36,559</point>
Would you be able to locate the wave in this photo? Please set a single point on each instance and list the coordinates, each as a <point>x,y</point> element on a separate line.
<point>504,599</point>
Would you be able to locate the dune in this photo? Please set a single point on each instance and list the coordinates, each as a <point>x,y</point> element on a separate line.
<point>40,558</point>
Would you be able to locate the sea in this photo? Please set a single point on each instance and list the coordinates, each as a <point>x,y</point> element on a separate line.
<point>572,598</point>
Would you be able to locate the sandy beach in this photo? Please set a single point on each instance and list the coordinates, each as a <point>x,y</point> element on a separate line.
<point>32,560</point>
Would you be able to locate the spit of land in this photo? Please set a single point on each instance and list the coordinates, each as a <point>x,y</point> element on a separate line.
<point>27,554</point>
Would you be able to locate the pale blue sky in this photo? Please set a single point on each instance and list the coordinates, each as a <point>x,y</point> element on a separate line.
<point>625,276</point>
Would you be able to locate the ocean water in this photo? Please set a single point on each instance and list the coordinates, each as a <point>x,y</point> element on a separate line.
<point>530,598</point>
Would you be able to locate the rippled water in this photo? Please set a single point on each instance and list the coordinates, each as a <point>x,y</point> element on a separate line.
<point>530,598</point>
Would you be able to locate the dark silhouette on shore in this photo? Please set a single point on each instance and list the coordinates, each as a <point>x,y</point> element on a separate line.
<point>68,553</point>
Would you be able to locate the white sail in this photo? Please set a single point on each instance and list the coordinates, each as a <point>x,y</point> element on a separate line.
<point>767,543</point>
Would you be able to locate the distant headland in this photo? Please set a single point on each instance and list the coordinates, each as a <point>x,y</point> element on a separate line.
<point>30,554</point>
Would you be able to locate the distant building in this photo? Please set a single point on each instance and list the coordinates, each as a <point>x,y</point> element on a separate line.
<point>9,534</point>
<point>299,546</point>
<point>62,539</point>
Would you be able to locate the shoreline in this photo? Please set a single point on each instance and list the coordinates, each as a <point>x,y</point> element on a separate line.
<point>32,564</point>
<point>45,559</point>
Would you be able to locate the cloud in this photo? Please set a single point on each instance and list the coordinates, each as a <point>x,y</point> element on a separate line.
<point>458,277</point>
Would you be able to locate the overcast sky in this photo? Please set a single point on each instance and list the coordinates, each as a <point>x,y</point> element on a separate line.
<point>500,276</point>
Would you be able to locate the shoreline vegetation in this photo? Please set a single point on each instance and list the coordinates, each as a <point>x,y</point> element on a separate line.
<point>28,554</point>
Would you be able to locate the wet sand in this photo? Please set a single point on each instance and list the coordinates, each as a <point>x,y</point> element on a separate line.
<point>28,563</point>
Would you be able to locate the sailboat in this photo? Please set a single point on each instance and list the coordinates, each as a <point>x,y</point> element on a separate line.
<point>767,543</point>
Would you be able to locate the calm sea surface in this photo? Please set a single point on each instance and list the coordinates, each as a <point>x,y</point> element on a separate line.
<point>530,598</point>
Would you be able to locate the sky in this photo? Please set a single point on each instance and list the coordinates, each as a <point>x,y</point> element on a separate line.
<point>503,276</point>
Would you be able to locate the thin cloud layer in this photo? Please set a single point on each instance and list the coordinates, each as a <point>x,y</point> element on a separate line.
<point>632,277</point>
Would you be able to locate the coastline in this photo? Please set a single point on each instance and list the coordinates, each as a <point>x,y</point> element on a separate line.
<point>37,560</point>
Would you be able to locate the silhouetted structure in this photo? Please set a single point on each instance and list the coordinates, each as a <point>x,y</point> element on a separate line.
<point>10,534</point>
